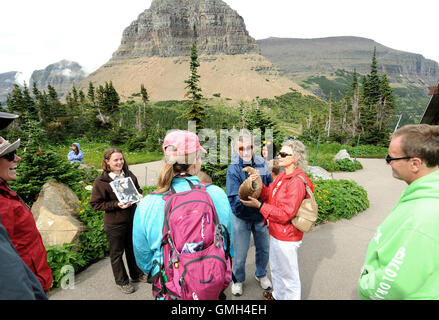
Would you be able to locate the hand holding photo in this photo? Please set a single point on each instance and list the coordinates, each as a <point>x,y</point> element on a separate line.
<point>125,191</point>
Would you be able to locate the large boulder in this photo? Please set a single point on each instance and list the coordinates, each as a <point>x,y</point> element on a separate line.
<point>319,173</point>
<point>56,214</point>
<point>342,154</point>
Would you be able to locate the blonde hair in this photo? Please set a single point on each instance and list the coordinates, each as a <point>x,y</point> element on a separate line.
<point>174,165</point>
<point>299,152</point>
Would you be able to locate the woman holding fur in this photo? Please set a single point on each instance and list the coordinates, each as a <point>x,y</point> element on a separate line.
<point>281,201</point>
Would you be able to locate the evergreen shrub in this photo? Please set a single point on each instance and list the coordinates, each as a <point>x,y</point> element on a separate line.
<point>339,199</point>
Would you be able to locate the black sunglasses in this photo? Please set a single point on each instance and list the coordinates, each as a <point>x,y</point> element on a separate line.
<point>284,154</point>
<point>390,159</point>
<point>10,156</point>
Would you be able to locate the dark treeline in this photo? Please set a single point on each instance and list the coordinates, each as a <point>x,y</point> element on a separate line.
<point>98,114</point>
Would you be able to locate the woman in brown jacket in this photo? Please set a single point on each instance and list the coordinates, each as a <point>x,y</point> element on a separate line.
<point>118,218</point>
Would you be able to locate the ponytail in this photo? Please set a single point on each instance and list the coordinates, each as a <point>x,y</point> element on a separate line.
<point>165,178</point>
<point>174,165</point>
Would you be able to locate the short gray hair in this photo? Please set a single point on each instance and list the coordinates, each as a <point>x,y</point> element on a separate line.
<point>299,152</point>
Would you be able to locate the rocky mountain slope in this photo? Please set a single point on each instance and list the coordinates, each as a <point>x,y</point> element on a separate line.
<point>155,51</point>
<point>325,66</point>
<point>300,57</point>
<point>61,75</point>
<point>7,81</point>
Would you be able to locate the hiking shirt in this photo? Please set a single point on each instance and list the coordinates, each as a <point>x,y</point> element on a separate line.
<point>402,260</point>
<point>150,216</point>
<point>235,177</point>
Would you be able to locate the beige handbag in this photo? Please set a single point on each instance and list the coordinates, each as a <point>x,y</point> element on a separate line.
<point>306,216</point>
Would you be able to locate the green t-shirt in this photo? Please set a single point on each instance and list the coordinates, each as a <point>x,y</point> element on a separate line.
<point>402,260</point>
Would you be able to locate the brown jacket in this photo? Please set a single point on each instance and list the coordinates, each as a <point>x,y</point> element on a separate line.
<point>104,199</point>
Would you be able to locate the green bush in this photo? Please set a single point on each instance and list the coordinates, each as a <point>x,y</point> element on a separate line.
<point>147,190</point>
<point>136,143</point>
<point>217,172</point>
<point>93,243</point>
<point>339,199</point>
<point>367,151</point>
<point>348,165</point>
<point>36,168</point>
<point>60,256</point>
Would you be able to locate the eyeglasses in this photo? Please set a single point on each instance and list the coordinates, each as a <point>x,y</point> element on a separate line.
<point>246,148</point>
<point>284,154</point>
<point>10,156</point>
<point>390,159</point>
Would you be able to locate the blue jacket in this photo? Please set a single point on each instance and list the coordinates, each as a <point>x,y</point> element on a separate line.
<point>235,177</point>
<point>73,157</point>
<point>149,219</point>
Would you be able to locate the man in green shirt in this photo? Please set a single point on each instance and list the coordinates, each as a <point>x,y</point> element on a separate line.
<point>402,260</point>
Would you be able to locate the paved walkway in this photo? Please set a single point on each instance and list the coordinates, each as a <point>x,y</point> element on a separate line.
<point>330,258</point>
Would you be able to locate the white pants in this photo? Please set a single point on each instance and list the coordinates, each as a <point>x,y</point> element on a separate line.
<point>285,269</point>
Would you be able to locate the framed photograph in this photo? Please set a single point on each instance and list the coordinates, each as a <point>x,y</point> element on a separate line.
<point>125,190</point>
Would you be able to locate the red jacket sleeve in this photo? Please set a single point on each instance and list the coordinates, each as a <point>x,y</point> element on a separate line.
<point>264,193</point>
<point>8,217</point>
<point>286,206</point>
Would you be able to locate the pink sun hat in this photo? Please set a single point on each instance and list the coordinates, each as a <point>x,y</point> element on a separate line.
<point>186,142</point>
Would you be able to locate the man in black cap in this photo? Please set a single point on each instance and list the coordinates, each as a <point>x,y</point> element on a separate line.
<point>17,282</point>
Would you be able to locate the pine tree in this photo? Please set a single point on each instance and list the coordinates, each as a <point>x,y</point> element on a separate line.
<point>195,111</point>
<point>143,122</point>
<point>91,93</point>
<point>355,103</point>
<point>15,100</point>
<point>372,85</point>
<point>387,103</point>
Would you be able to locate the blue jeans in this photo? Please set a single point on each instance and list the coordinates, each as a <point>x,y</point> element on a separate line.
<point>241,243</point>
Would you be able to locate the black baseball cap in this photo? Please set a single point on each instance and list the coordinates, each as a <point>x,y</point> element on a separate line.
<point>6,119</point>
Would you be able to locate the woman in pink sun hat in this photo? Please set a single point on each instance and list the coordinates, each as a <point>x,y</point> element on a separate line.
<point>182,152</point>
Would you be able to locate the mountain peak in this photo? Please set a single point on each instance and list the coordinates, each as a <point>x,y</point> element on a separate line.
<point>169,28</point>
<point>60,75</point>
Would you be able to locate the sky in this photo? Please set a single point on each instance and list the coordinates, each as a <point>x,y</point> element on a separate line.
<point>36,33</point>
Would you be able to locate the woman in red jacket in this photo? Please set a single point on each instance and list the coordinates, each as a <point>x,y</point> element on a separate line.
<point>18,219</point>
<point>280,202</point>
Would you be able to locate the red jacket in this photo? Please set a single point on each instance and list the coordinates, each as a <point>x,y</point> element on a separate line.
<point>282,199</point>
<point>22,229</point>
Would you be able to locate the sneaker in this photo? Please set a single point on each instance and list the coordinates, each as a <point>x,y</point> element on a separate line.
<point>142,278</point>
<point>268,295</point>
<point>127,288</point>
<point>237,289</point>
<point>264,282</point>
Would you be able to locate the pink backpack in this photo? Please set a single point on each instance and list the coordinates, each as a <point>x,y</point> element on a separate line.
<point>196,262</point>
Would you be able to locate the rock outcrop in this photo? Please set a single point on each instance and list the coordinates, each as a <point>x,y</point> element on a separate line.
<point>7,81</point>
<point>155,51</point>
<point>299,57</point>
<point>61,76</point>
<point>56,215</point>
<point>170,27</point>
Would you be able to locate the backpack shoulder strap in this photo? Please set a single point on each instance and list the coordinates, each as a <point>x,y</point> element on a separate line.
<point>307,188</point>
